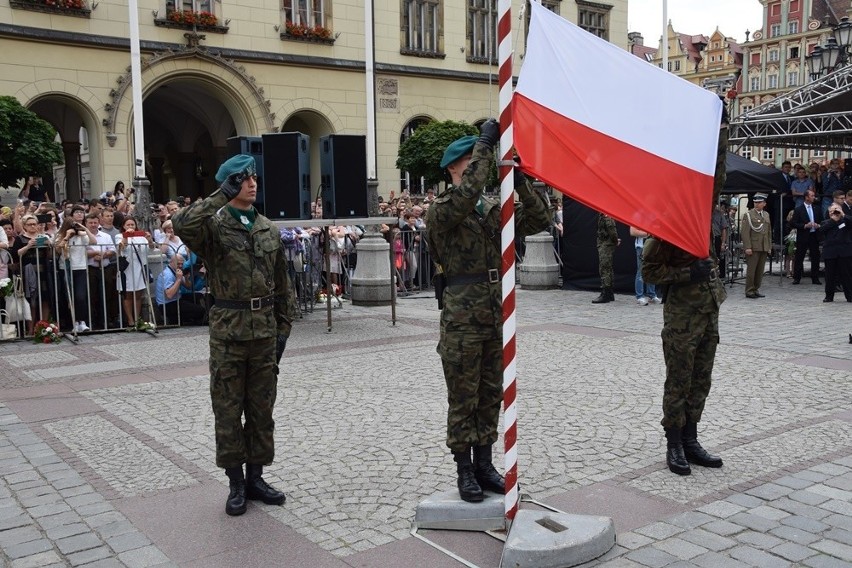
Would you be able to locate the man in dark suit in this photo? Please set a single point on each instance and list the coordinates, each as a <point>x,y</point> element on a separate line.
<point>806,219</point>
<point>847,205</point>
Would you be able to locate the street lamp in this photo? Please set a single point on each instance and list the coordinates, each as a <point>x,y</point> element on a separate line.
<point>815,63</point>
<point>843,36</point>
<point>830,55</point>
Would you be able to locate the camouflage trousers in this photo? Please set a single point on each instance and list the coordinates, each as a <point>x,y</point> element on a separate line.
<point>605,253</point>
<point>243,381</point>
<point>472,357</point>
<point>689,348</point>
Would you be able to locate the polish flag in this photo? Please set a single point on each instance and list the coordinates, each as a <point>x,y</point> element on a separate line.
<point>617,133</point>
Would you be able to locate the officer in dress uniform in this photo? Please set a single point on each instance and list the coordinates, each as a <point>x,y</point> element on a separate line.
<point>249,324</point>
<point>463,235</point>
<point>756,233</point>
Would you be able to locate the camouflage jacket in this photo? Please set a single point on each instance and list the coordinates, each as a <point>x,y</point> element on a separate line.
<point>665,264</point>
<point>464,241</point>
<point>241,265</point>
<point>607,234</point>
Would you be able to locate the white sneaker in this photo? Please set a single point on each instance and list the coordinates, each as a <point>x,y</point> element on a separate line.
<point>643,301</point>
<point>76,327</point>
<point>657,300</point>
<point>83,326</point>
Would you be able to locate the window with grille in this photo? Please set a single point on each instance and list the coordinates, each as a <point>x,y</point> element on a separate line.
<point>775,30</point>
<point>746,152</point>
<point>773,55</point>
<point>794,153</point>
<point>552,5</point>
<point>754,84</point>
<point>793,27</point>
<point>768,154</point>
<point>677,65</point>
<point>309,13</point>
<point>407,182</point>
<point>481,31</point>
<point>772,81</point>
<point>421,27</point>
<point>818,153</point>
<point>594,18</point>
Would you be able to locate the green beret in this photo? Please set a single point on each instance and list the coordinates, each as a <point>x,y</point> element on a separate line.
<point>238,164</point>
<point>458,149</point>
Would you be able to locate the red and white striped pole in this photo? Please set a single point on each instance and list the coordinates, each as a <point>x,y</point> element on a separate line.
<point>507,226</point>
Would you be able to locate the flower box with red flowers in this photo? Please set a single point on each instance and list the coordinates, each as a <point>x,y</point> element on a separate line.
<point>76,8</point>
<point>301,32</point>
<point>46,332</point>
<point>188,19</point>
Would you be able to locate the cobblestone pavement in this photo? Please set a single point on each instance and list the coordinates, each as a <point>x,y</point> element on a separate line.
<point>106,447</point>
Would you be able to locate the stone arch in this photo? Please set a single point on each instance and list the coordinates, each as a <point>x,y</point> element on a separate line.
<point>414,112</point>
<point>225,78</point>
<point>83,102</point>
<point>291,108</point>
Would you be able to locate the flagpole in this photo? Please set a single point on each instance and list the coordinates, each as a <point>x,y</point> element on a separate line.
<point>507,223</point>
<point>136,90</point>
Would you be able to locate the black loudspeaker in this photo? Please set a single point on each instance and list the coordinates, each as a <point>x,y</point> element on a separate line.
<point>251,146</point>
<point>287,166</point>
<point>343,163</point>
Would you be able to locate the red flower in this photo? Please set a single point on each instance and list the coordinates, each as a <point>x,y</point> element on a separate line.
<point>46,340</point>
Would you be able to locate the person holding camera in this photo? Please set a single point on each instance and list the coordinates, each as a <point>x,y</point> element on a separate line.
<point>72,241</point>
<point>463,235</point>
<point>249,324</point>
<point>837,252</point>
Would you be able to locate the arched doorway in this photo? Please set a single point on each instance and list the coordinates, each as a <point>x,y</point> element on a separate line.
<point>187,122</point>
<point>314,125</point>
<point>75,125</point>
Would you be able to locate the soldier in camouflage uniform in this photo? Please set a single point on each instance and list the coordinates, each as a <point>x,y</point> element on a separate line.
<point>249,324</point>
<point>690,333</point>
<point>463,235</point>
<point>607,241</point>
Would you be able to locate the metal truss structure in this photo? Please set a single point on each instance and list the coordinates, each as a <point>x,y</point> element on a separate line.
<point>817,115</point>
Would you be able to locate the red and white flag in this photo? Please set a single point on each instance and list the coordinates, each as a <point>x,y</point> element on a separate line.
<point>616,133</point>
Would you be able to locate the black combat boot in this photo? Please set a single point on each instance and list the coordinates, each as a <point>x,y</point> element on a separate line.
<point>486,475</point>
<point>469,489</point>
<point>605,297</point>
<point>259,490</point>
<point>236,503</point>
<point>692,449</point>
<point>674,453</point>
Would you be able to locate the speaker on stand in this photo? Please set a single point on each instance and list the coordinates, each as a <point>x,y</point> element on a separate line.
<point>287,166</point>
<point>343,164</point>
<point>251,146</point>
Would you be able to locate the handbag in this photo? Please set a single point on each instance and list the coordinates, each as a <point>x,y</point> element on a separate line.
<point>8,331</point>
<point>17,307</point>
<point>123,263</point>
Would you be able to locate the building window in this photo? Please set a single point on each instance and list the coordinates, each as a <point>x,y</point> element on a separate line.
<point>792,78</point>
<point>196,6</point>
<point>594,18</point>
<point>406,181</point>
<point>794,53</point>
<point>818,153</point>
<point>794,154</point>
<point>773,55</point>
<point>768,154</point>
<point>309,13</point>
<point>746,152</point>
<point>775,30</point>
<point>793,27</point>
<point>754,84</point>
<point>670,66</point>
<point>677,65</point>
<point>552,5</point>
<point>481,31</point>
<point>772,81</point>
<point>421,27</point>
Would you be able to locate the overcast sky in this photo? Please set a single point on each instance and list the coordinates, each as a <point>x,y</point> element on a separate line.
<point>733,17</point>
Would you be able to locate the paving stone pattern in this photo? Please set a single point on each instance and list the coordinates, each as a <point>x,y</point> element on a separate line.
<point>360,426</point>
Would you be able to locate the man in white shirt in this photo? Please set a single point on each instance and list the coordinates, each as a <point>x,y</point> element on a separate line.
<point>102,273</point>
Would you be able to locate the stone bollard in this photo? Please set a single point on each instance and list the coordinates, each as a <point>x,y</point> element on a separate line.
<point>539,270</point>
<point>371,285</point>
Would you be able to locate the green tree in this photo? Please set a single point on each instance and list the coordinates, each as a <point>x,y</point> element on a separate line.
<point>421,154</point>
<point>27,143</point>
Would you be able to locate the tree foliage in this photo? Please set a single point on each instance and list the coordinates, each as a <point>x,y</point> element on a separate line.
<point>27,143</point>
<point>421,154</point>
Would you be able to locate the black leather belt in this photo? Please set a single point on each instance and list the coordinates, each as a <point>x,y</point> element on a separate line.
<point>254,304</point>
<point>492,276</point>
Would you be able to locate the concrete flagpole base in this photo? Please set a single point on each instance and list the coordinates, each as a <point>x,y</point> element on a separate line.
<point>447,511</point>
<point>543,539</point>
